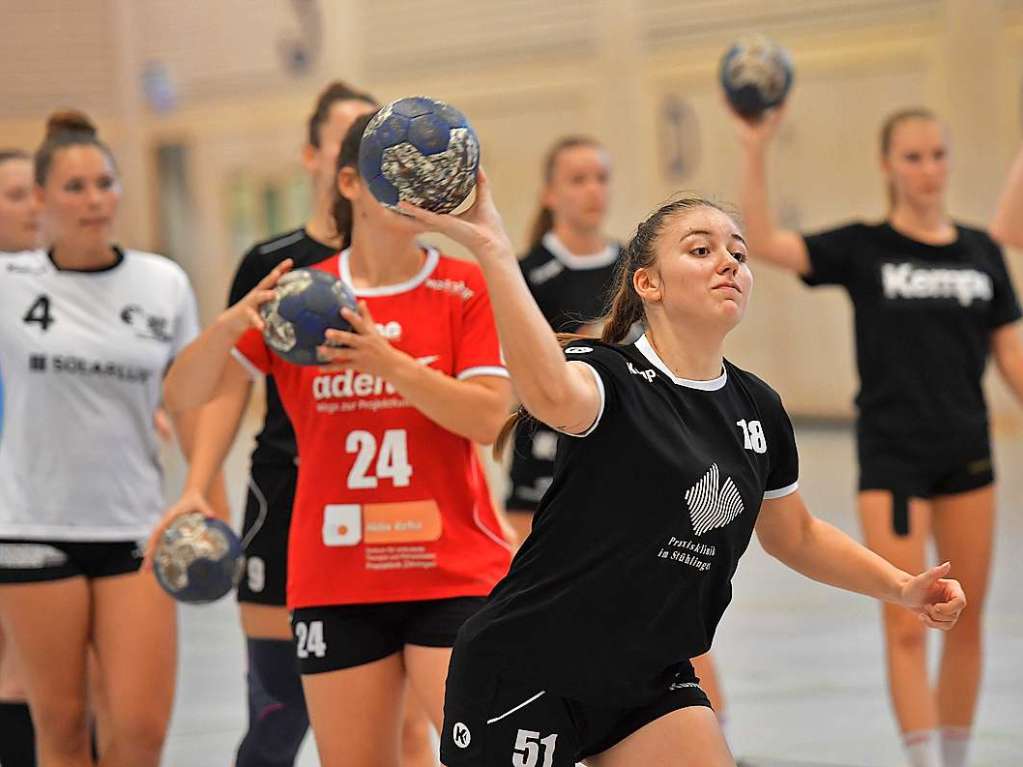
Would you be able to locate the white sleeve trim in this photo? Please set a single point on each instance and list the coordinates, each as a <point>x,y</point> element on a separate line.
<point>256,373</point>
<point>483,370</point>
<point>781,492</point>
<point>603,401</point>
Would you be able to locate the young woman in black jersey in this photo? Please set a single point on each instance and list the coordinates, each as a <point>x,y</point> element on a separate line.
<point>932,300</point>
<point>672,457</point>
<point>86,331</point>
<point>19,231</point>
<point>568,268</point>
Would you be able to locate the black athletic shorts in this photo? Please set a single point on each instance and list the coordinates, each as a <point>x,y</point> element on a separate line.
<point>344,636</point>
<point>265,533</point>
<point>921,471</point>
<point>492,719</point>
<point>39,560</point>
<point>532,466</point>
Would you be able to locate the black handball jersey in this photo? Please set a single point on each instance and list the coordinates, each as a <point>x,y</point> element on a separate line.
<point>923,317</point>
<point>629,566</point>
<point>275,443</point>
<point>570,290</point>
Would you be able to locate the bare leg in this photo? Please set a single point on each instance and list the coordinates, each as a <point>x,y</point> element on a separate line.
<point>356,713</point>
<point>689,737</point>
<point>416,744</point>
<point>964,529</point>
<point>912,695</point>
<point>48,626</point>
<point>135,636</point>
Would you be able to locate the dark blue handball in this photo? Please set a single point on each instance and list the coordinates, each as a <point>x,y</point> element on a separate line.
<point>307,302</point>
<point>198,559</point>
<point>422,151</point>
<point>756,74</point>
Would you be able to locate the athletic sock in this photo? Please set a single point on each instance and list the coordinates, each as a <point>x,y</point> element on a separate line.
<point>923,748</point>
<point>955,743</point>
<point>17,746</point>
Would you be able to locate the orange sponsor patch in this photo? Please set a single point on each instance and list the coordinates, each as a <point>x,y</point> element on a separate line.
<point>406,522</point>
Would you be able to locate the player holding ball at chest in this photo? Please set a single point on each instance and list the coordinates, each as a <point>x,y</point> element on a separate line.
<point>394,542</point>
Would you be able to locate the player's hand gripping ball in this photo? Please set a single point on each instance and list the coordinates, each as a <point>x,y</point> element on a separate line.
<point>306,303</point>
<point>421,151</point>
<point>198,559</point>
<point>756,74</point>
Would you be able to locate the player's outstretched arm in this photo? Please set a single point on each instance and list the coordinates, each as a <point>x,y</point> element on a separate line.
<point>195,374</point>
<point>820,551</point>
<point>767,241</point>
<point>1007,224</point>
<point>212,435</point>
<point>561,395</point>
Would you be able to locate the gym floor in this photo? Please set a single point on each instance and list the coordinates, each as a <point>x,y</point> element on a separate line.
<point>801,663</point>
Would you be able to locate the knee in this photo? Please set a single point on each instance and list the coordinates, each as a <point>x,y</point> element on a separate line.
<point>905,633</point>
<point>61,724</point>
<point>142,733</point>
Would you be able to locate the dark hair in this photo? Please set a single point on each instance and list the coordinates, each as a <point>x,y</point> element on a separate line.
<point>329,96</point>
<point>626,307</point>
<point>14,154</point>
<point>888,130</point>
<point>543,222</point>
<point>348,157</point>
<point>66,129</point>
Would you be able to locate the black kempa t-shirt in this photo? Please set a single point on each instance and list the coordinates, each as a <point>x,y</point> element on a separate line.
<point>570,290</point>
<point>924,316</point>
<point>629,565</point>
<point>275,443</point>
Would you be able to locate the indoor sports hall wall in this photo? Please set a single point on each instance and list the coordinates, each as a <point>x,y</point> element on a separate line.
<point>204,103</point>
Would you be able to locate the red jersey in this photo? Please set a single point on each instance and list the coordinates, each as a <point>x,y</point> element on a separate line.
<point>391,506</point>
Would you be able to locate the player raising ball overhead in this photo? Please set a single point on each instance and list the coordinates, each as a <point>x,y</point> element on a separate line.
<point>582,650</point>
<point>393,541</point>
<point>933,301</point>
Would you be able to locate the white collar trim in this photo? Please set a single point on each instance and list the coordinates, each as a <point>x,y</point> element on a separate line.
<point>570,260</point>
<point>345,272</point>
<point>647,350</point>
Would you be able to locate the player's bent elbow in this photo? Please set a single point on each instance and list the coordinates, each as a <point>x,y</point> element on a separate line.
<point>488,428</point>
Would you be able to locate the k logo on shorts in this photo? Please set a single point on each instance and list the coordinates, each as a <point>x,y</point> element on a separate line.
<point>461,735</point>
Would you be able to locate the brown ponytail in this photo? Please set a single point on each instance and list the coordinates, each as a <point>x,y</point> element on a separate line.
<point>543,222</point>
<point>65,129</point>
<point>626,306</point>
<point>888,130</point>
<point>348,157</point>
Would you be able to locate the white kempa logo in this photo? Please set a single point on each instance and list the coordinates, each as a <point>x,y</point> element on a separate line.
<point>461,735</point>
<point>711,504</point>
<point>578,350</point>
<point>908,281</point>
<point>646,375</point>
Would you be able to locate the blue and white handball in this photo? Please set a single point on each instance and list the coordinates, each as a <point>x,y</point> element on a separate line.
<point>422,151</point>
<point>198,559</point>
<point>307,302</point>
<point>756,74</point>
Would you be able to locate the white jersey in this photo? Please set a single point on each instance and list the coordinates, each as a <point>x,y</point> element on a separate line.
<point>82,358</point>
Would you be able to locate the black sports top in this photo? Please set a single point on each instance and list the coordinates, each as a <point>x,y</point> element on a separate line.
<point>628,568</point>
<point>923,316</point>
<point>570,290</point>
<point>275,443</point>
